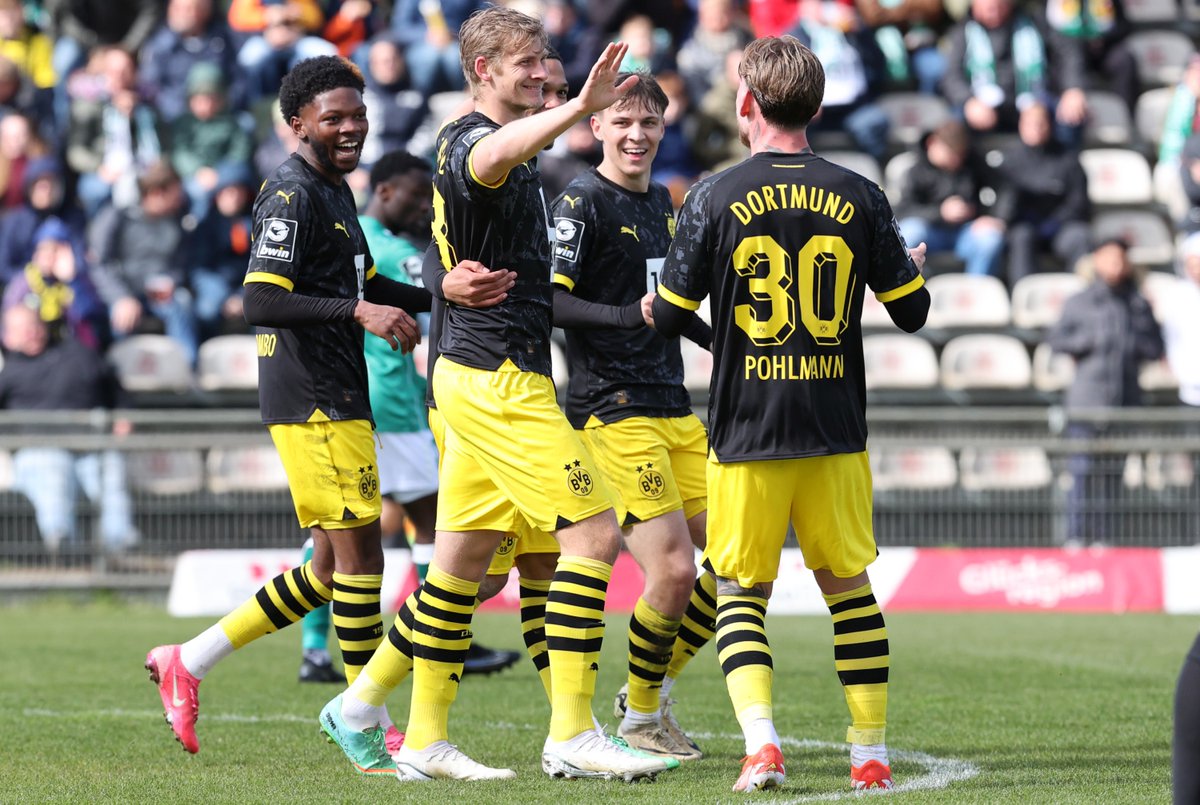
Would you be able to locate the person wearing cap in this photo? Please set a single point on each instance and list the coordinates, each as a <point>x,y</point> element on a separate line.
<point>207,137</point>
<point>45,198</point>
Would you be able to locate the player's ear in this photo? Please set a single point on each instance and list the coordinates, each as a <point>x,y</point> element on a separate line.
<point>298,128</point>
<point>594,121</point>
<point>482,68</point>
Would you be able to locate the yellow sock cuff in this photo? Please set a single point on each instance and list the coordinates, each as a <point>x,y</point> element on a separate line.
<point>654,620</point>
<point>538,585</point>
<point>366,582</point>
<point>441,580</point>
<point>588,567</point>
<point>838,598</point>
<point>311,577</point>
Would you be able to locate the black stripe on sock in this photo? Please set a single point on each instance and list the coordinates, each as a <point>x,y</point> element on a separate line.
<point>864,624</point>
<point>358,633</point>
<point>277,618</point>
<point>641,630</point>
<point>461,599</point>
<point>568,621</point>
<point>438,633</point>
<point>541,661</point>
<point>575,600</point>
<point>728,639</point>
<point>649,676</point>
<point>659,657</point>
<point>580,645</point>
<point>428,609</point>
<point>578,578</point>
<point>533,637</point>
<point>703,595</point>
<point>453,656</point>
<point>740,603</point>
<point>354,588</point>
<point>285,596</point>
<point>852,603</point>
<point>691,638</point>
<point>860,651</point>
<point>400,642</point>
<point>357,658</point>
<point>744,658</point>
<point>406,616</point>
<point>864,676</point>
<point>308,592</point>
<point>726,620</point>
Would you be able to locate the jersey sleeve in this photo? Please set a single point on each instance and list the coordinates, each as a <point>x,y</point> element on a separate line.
<point>281,235</point>
<point>574,236</point>
<point>892,273</point>
<point>687,272</point>
<point>458,164</point>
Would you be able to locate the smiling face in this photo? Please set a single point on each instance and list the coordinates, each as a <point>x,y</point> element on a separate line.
<point>555,90</point>
<point>513,84</point>
<point>331,130</point>
<point>630,134</point>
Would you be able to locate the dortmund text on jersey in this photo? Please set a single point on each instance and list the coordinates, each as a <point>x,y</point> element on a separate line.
<point>308,241</point>
<point>786,244</point>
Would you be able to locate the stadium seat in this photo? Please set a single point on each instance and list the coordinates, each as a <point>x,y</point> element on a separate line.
<point>1037,299</point>
<point>985,361</point>
<point>912,114</point>
<point>862,164</point>
<point>1168,189</point>
<point>1052,371</point>
<point>1108,119</point>
<point>228,362</point>
<point>1157,376</point>
<point>1004,468</point>
<point>151,363</point>
<point>1158,287</point>
<point>1150,114</point>
<point>165,472</point>
<point>697,366</point>
<point>420,356</point>
<point>927,468</point>
<point>558,365</point>
<point>245,469</point>
<point>1146,232</point>
<point>6,470</point>
<point>1117,176</point>
<point>967,300</point>
<point>894,172</point>
<point>1151,12</point>
<point>874,314</point>
<point>1160,55</point>
<point>899,361</point>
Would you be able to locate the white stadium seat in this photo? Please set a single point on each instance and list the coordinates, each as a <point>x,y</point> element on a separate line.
<point>229,362</point>
<point>165,472</point>
<point>1146,232</point>
<point>899,361</point>
<point>151,363</point>
<point>1160,55</point>
<point>1052,371</point>
<point>1037,299</point>
<point>894,172</point>
<point>912,114</point>
<point>1108,119</point>
<point>1004,468</point>
<point>967,300</point>
<point>6,470</point>
<point>985,361</point>
<point>874,314</point>
<point>245,469</point>
<point>927,468</point>
<point>862,164</point>
<point>1150,113</point>
<point>1117,176</point>
<point>1151,11</point>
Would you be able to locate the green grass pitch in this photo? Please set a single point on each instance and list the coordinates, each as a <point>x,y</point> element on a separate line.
<point>983,709</point>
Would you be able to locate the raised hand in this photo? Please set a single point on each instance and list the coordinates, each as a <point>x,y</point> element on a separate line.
<point>601,90</point>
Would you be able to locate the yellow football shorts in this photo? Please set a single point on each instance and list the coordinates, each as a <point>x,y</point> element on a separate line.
<point>331,472</point>
<point>510,454</point>
<point>656,465</point>
<point>827,499</point>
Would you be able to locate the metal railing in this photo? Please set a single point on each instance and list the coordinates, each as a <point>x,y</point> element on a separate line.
<point>964,476</point>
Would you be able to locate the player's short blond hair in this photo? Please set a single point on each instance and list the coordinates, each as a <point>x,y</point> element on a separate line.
<point>785,78</point>
<point>494,32</point>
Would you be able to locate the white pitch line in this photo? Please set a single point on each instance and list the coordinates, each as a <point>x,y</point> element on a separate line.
<point>939,772</point>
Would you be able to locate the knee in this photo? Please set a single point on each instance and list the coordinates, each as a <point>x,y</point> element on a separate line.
<point>491,586</point>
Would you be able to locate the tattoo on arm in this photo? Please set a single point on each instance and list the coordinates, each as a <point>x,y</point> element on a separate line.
<point>731,587</point>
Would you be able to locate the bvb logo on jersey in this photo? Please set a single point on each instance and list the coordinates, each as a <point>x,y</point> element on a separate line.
<point>650,482</point>
<point>579,480</point>
<point>368,482</point>
<point>507,543</point>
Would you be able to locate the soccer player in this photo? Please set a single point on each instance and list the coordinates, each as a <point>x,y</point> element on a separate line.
<point>626,395</point>
<point>510,453</point>
<point>311,288</point>
<point>786,243</point>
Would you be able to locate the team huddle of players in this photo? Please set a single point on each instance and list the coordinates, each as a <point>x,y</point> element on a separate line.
<point>628,463</point>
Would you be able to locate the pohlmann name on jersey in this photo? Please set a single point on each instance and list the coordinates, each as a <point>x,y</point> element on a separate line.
<point>567,235</point>
<point>794,367</point>
<point>277,240</point>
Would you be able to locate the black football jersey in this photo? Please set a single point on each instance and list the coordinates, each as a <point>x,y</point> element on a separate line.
<point>506,226</point>
<point>307,240</point>
<point>786,244</point>
<point>610,246</point>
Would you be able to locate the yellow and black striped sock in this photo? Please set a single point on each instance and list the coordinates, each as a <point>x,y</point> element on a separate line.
<point>533,627</point>
<point>574,633</point>
<point>392,662</point>
<point>860,655</point>
<point>357,619</point>
<point>699,624</point>
<point>280,602</point>
<point>745,655</point>
<point>440,638</point>
<point>651,637</point>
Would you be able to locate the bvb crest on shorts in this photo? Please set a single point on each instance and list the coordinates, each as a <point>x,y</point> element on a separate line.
<point>368,482</point>
<point>650,481</point>
<point>579,480</point>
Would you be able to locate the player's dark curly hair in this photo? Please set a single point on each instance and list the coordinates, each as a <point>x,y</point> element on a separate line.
<point>396,163</point>
<point>311,77</point>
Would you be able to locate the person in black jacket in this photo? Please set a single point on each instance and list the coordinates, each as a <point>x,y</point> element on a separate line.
<point>1109,330</point>
<point>1042,197</point>
<point>44,375</point>
<point>940,202</point>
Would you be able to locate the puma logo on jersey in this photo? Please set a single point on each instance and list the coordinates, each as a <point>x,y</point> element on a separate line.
<point>287,197</point>
<point>570,200</point>
<point>625,230</point>
<point>341,226</point>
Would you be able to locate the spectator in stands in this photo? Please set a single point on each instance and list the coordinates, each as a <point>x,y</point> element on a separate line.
<point>1109,331</point>
<point>192,34</point>
<point>45,197</point>
<point>56,283</point>
<point>702,55</point>
<point>219,254</point>
<point>907,33</point>
<point>1177,169</point>
<point>28,48</point>
<point>772,17</point>
<point>114,134</point>
<point>140,260</point>
<point>44,375</point>
<point>428,30</point>
<point>207,137</point>
<point>18,96</point>
<point>649,51</point>
<point>569,37</point>
<point>394,108</point>
<point>854,74</point>
<point>281,33</point>
<point>1180,121</point>
<point>717,144</point>
<point>940,203</point>
<point>1042,197</point>
<point>1187,209</point>
<point>349,24</point>
<point>1001,59</point>
<point>19,145</point>
<point>1181,323</point>
<point>276,145</point>
<point>1100,27</point>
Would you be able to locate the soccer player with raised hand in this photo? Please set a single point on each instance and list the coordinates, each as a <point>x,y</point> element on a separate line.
<point>787,244</point>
